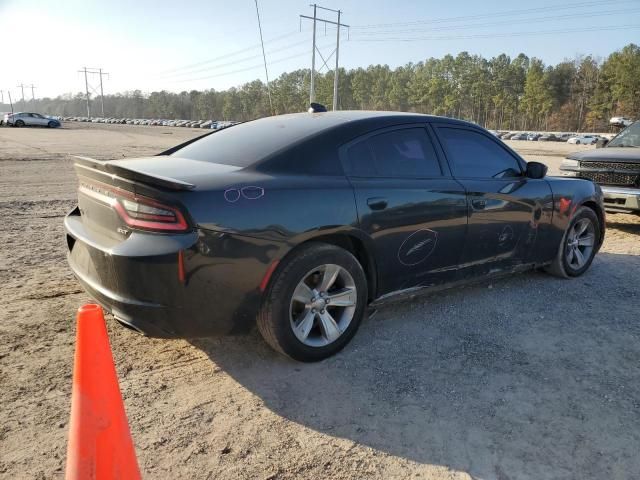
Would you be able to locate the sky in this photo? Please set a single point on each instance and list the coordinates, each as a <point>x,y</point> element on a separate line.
<point>197,44</point>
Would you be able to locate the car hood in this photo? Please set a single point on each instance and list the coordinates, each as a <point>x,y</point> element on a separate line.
<point>608,154</point>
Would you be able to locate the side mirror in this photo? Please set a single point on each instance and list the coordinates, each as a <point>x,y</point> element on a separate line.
<point>536,170</point>
<point>602,142</point>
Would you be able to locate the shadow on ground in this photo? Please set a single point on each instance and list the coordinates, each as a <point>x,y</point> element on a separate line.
<point>529,377</point>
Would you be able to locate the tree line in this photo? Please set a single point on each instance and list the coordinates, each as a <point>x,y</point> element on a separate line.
<point>520,93</point>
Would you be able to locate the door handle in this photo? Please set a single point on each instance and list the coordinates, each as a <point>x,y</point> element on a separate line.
<point>377,203</point>
<point>479,204</point>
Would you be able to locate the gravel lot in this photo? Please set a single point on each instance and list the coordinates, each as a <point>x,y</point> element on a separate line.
<point>526,377</point>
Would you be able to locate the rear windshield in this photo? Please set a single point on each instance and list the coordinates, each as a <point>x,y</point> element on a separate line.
<point>247,143</point>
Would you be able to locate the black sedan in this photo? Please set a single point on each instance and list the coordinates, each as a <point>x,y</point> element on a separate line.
<point>298,222</point>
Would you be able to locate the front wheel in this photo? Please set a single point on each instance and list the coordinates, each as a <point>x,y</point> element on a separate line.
<point>579,245</point>
<point>315,303</point>
<point>51,124</point>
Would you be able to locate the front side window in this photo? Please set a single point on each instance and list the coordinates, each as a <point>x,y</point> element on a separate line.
<point>629,137</point>
<point>404,153</point>
<point>473,155</point>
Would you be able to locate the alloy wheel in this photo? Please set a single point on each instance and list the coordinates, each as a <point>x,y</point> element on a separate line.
<point>580,243</point>
<point>322,305</point>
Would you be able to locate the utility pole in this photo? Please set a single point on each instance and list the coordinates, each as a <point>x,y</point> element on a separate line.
<point>101,90</point>
<point>95,71</point>
<point>338,24</point>
<point>2,95</point>
<point>335,75</point>
<point>10,102</point>
<point>86,87</point>
<point>22,88</point>
<point>33,96</point>
<point>312,91</point>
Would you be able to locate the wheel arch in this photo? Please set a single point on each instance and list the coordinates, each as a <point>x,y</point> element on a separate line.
<point>600,214</point>
<point>356,244</point>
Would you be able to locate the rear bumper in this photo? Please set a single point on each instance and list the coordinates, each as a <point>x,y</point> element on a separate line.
<point>619,199</point>
<point>172,286</point>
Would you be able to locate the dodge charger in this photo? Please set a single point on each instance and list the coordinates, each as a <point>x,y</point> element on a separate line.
<point>298,222</point>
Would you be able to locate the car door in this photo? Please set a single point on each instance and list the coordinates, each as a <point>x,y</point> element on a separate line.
<point>507,210</point>
<point>409,204</point>
<point>39,120</point>
<point>30,119</point>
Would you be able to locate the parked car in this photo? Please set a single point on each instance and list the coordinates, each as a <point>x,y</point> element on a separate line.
<point>548,137</point>
<point>26,119</point>
<point>298,221</point>
<point>519,136</point>
<point>533,137</point>
<point>615,167</point>
<point>620,121</point>
<point>583,140</point>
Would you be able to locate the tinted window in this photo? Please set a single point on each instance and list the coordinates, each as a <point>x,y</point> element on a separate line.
<point>247,143</point>
<point>471,154</point>
<point>405,153</point>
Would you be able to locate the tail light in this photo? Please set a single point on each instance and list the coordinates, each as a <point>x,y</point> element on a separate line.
<point>137,211</point>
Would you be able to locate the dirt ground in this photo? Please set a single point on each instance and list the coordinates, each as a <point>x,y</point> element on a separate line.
<point>529,377</point>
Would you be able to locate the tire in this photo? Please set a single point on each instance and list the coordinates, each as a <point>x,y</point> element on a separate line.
<point>567,265</point>
<point>19,123</point>
<point>283,320</point>
<point>51,124</point>
<point>577,142</point>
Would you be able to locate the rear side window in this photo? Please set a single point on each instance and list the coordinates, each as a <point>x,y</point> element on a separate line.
<point>404,153</point>
<point>471,154</point>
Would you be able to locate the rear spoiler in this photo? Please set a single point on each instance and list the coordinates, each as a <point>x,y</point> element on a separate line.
<point>117,170</point>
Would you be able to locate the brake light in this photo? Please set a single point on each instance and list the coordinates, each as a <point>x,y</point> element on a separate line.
<point>137,211</point>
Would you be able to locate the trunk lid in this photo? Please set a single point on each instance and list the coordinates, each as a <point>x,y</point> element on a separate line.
<point>166,172</point>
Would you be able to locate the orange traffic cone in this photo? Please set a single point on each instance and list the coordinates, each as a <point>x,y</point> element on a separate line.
<point>100,445</point>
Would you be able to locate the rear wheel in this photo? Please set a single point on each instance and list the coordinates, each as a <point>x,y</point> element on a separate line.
<point>579,245</point>
<point>315,304</point>
<point>19,123</point>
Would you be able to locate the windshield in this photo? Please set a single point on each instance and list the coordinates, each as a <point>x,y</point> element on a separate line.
<point>629,137</point>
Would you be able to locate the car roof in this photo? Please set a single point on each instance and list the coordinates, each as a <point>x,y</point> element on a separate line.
<point>250,142</point>
<point>315,122</point>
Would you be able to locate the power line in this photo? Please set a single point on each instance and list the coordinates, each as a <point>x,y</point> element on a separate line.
<point>226,55</point>
<point>491,24</point>
<point>246,69</point>
<point>501,35</point>
<point>235,62</point>
<point>264,57</point>
<point>508,13</point>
